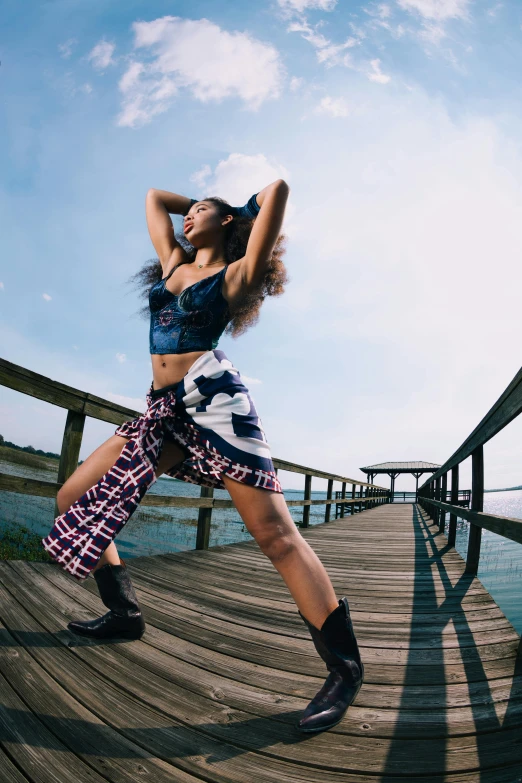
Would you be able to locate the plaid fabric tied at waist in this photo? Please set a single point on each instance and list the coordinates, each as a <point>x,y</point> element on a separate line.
<point>213,419</point>
<point>81,535</point>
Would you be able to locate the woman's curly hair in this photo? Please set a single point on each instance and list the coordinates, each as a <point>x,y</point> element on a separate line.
<point>237,233</point>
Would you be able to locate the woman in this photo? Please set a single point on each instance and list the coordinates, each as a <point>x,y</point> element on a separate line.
<point>201,425</point>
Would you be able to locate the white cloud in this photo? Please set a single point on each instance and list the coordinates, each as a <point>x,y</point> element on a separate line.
<point>101,55</point>
<point>47,297</point>
<point>426,206</point>
<point>335,107</point>
<point>383,11</point>
<point>296,82</point>
<point>237,177</point>
<point>75,347</point>
<point>376,75</point>
<point>432,33</point>
<point>197,55</point>
<point>492,12</point>
<point>66,48</point>
<point>1,286</point>
<point>326,51</point>
<point>439,10</point>
<point>298,6</point>
<point>251,381</point>
<point>121,357</point>
<point>199,178</point>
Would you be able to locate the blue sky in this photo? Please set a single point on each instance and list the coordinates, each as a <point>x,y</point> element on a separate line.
<point>397,125</point>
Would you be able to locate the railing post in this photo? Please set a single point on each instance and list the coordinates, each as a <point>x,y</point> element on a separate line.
<point>477,504</point>
<point>71,445</point>
<point>442,496</point>
<point>307,496</point>
<point>352,505</point>
<point>436,515</point>
<point>452,530</point>
<point>328,497</point>
<point>204,519</point>
<point>343,495</point>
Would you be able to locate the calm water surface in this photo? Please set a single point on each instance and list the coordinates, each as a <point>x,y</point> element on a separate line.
<point>154,531</point>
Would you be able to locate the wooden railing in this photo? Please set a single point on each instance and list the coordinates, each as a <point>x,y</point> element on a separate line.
<point>80,404</point>
<point>432,492</point>
<point>464,497</point>
<point>366,497</point>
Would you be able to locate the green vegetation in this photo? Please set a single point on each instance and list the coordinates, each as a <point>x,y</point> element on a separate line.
<point>28,455</point>
<point>28,449</point>
<point>19,543</point>
<point>21,457</point>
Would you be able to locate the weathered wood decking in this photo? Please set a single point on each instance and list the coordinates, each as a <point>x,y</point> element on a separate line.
<point>213,689</point>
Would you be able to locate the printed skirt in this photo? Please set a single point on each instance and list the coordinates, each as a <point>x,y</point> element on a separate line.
<point>211,415</point>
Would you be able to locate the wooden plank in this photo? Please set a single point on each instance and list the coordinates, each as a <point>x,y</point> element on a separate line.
<point>226,665</point>
<point>477,504</point>
<point>71,445</point>
<point>39,753</point>
<point>276,739</point>
<point>29,486</point>
<point>329,492</point>
<point>204,520</point>
<point>307,496</point>
<point>509,527</point>
<point>27,382</point>
<point>9,773</point>
<point>443,497</point>
<point>265,704</point>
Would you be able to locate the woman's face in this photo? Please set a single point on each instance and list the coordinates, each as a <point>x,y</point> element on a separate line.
<point>203,224</point>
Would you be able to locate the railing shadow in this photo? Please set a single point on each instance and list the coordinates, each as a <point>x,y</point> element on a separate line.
<point>483,713</point>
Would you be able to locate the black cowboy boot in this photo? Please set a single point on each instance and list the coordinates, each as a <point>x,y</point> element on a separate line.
<point>124,620</point>
<point>337,646</point>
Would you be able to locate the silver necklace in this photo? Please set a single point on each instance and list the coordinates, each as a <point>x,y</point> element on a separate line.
<point>212,263</point>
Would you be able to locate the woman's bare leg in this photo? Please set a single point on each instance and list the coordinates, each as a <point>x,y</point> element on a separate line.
<point>95,466</point>
<point>268,520</point>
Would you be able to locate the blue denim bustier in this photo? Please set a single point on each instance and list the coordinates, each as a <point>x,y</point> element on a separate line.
<point>192,321</point>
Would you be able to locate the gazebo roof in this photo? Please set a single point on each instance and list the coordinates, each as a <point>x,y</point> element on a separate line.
<point>401,467</point>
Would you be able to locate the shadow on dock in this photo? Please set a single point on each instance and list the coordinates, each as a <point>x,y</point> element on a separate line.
<point>213,690</point>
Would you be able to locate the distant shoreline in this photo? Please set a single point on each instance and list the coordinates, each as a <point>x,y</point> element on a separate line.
<point>507,489</point>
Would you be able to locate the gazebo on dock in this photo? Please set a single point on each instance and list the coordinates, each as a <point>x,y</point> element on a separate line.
<point>393,469</point>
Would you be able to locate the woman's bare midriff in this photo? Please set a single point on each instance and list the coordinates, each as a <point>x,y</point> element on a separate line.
<point>169,368</point>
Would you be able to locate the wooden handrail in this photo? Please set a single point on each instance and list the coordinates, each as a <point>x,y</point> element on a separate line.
<point>81,404</point>
<point>506,408</point>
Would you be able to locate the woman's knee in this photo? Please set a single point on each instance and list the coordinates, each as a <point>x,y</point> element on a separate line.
<point>278,543</point>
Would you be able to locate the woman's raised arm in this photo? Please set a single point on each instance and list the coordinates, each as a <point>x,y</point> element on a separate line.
<point>267,227</point>
<point>158,205</point>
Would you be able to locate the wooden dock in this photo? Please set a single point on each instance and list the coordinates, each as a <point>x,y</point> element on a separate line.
<point>213,690</point>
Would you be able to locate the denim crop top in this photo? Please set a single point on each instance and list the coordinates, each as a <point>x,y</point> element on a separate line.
<point>194,320</point>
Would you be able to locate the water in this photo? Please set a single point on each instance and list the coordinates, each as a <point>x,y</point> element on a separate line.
<point>150,530</point>
<point>500,564</point>
<point>153,531</point>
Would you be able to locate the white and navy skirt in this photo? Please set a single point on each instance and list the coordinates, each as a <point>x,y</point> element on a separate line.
<point>212,417</point>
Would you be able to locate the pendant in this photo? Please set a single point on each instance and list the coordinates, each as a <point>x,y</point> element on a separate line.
<point>200,266</point>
